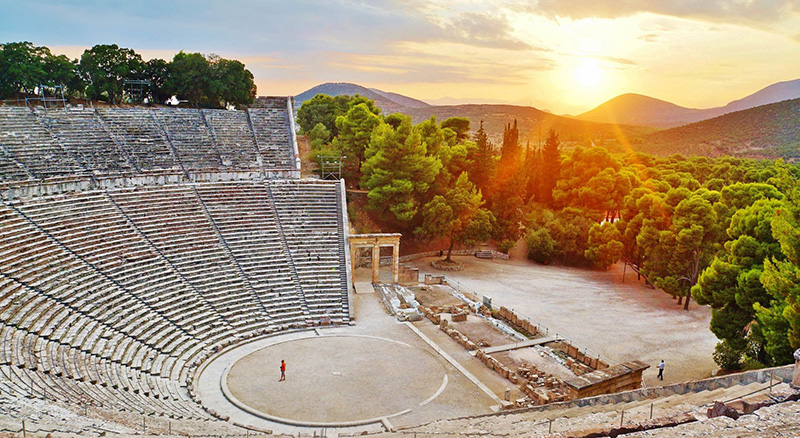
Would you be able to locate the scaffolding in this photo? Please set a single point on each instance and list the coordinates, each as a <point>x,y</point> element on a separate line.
<point>136,90</point>
<point>330,166</point>
<point>58,100</point>
<point>49,102</point>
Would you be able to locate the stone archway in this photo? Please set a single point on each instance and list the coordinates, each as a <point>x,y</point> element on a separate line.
<point>376,242</point>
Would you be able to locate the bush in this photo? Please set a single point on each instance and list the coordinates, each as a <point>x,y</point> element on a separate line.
<point>505,245</point>
<point>727,357</point>
<point>541,246</point>
<point>605,247</point>
<point>320,132</point>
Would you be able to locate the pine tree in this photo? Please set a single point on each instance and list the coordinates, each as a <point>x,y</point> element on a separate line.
<point>510,152</point>
<point>485,161</point>
<point>397,170</point>
<point>533,159</point>
<point>550,168</point>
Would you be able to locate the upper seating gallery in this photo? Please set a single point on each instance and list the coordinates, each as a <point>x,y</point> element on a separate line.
<point>37,144</point>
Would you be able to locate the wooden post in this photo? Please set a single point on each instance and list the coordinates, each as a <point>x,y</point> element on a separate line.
<point>651,411</point>
<point>24,434</point>
<point>621,418</point>
<point>550,426</point>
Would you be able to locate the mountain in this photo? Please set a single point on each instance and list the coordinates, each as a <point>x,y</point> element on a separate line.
<point>767,131</point>
<point>643,110</point>
<point>408,102</point>
<point>774,93</point>
<point>388,102</point>
<point>533,123</point>
<point>636,109</point>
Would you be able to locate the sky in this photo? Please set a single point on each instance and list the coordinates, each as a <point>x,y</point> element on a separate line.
<point>565,56</point>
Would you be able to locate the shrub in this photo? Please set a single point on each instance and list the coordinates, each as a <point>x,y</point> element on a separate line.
<point>505,245</point>
<point>727,357</point>
<point>541,246</point>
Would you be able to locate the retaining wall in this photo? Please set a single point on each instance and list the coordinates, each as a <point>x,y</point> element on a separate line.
<point>33,188</point>
<point>783,373</point>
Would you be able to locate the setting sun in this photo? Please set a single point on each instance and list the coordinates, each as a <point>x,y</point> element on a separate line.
<point>588,73</point>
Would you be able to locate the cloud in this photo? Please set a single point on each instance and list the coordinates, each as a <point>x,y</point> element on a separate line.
<point>430,64</point>
<point>738,11</point>
<point>649,37</point>
<point>483,30</point>
<point>615,60</point>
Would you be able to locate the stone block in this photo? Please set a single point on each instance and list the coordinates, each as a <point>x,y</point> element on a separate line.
<point>796,372</point>
<point>572,350</point>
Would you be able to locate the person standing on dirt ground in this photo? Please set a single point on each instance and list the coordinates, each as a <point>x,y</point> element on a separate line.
<point>283,371</point>
<point>661,370</point>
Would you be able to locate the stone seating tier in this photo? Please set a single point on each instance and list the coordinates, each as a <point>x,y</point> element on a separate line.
<point>109,297</point>
<point>57,143</point>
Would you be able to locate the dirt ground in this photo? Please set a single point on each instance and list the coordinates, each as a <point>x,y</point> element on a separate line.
<point>437,295</point>
<point>374,368</point>
<point>596,310</point>
<point>358,369</point>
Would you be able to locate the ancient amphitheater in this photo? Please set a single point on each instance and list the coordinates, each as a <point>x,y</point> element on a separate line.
<point>157,264</point>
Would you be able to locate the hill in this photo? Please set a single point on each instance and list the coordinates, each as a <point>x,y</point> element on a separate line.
<point>531,120</point>
<point>532,123</point>
<point>777,92</point>
<point>767,131</point>
<point>637,109</point>
<point>387,101</point>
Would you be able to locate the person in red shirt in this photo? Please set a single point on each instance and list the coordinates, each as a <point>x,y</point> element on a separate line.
<point>283,371</point>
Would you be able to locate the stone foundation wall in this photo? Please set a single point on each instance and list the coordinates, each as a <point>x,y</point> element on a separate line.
<point>580,360</point>
<point>539,386</point>
<point>456,252</point>
<point>521,325</point>
<point>29,189</point>
<point>408,275</point>
<point>618,378</point>
<point>434,279</point>
<point>577,361</point>
<point>783,373</point>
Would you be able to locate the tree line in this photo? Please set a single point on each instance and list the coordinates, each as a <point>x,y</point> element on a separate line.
<point>207,81</point>
<point>722,231</point>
